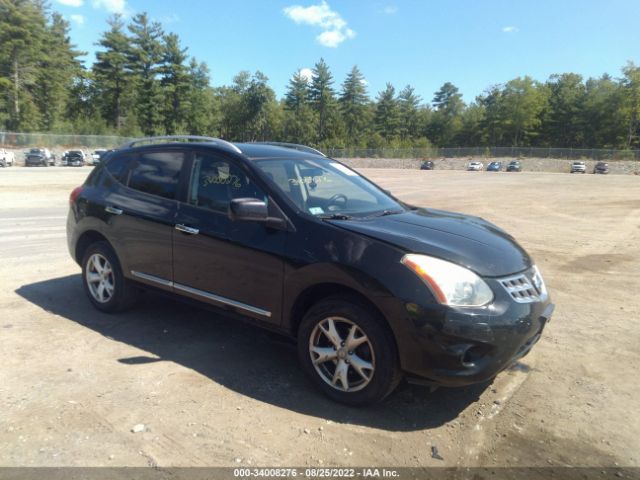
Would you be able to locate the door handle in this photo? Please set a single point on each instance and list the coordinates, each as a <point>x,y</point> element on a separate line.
<point>185,229</point>
<point>113,210</point>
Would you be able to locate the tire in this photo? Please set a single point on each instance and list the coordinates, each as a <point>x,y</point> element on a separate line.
<point>123,292</point>
<point>376,356</point>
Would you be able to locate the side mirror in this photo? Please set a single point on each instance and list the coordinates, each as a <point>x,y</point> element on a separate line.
<point>248,209</point>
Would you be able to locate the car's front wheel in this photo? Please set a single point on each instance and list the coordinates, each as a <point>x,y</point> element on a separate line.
<point>103,281</point>
<point>348,352</point>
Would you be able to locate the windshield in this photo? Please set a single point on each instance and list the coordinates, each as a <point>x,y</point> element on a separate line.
<point>323,187</point>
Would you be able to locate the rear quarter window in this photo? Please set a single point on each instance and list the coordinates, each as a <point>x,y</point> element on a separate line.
<point>156,173</point>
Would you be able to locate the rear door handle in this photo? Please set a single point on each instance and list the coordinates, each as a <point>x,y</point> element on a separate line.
<point>185,229</point>
<point>113,210</point>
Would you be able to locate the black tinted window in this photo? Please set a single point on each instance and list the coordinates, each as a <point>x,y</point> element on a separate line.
<point>215,182</point>
<point>156,173</point>
<point>117,167</point>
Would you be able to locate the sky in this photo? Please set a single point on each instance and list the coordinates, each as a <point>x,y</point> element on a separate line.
<point>472,43</point>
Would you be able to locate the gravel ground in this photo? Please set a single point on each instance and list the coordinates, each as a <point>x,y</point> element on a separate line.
<point>171,385</point>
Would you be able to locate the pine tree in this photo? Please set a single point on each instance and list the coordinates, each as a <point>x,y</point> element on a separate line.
<point>322,97</point>
<point>408,103</point>
<point>448,99</point>
<point>111,73</point>
<point>57,69</point>
<point>563,120</point>
<point>201,116</point>
<point>175,85</point>
<point>298,94</point>
<point>22,44</point>
<point>387,114</point>
<point>353,105</point>
<point>144,61</point>
<point>298,116</point>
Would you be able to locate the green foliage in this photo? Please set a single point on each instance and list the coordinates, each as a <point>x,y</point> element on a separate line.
<point>144,63</point>
<point>323,99</point>
<point>387,117</point>
<point>353,106</point>
<point>112,77</point>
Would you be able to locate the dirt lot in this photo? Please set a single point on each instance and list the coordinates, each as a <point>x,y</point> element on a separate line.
<point>74,382</point>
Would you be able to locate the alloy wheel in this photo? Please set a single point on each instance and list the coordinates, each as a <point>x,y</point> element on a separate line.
<point>342,354</point>
<point>100,278</point>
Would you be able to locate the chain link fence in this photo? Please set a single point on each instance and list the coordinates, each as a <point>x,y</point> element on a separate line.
<point>488,152</point>
<point>54,140</point>
<point>63,141</point>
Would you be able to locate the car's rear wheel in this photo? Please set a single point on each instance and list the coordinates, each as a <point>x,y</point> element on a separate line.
<point>348,352</point>
<point>103,281</point>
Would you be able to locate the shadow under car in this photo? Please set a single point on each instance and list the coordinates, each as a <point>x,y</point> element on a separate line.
<point>246,359</point>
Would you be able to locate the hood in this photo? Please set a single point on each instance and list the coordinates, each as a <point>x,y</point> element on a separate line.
<point>469,241</point>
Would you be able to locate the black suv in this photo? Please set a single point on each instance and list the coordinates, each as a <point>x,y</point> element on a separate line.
<point>373,289</point>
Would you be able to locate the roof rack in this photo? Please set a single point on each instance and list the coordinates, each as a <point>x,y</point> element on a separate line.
<point>191,138</point>
<point>295,146</point>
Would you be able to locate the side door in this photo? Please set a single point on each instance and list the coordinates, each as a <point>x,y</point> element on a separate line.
<point>235,265</point>
<point>141,213</point>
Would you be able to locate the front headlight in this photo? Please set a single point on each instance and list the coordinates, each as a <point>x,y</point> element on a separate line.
<point>451,284</point>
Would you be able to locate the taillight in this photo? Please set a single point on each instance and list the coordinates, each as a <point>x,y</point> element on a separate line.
<point>75,194</point>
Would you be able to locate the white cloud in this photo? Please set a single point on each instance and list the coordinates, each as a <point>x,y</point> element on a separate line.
<point>113,6</point>
<point>71,3</point>
<point>510,29</point>
<point>306,73</point>
<point>333,38</point>
<point>334,27</point>
<point>77,19</point>
<point>390,9</point>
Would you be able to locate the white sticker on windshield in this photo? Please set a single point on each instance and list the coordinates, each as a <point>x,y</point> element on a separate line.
<point>344,169</point>
<point>316,210</point>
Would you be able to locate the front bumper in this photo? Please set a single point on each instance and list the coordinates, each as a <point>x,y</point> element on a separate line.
<point>34,161</point>
<point>448,346</point>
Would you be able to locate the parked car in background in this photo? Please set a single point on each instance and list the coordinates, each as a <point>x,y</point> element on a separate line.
<point>426,165</point>
<point>96,156</point>
<point>475,166</point>
<point>7,158</point>
<point>39,157</point>
<point>372,288</point>
<point>578,167</point>
<point>514,166</point>
<point>494,167</point>
<point>73,158</point>
<point>601,167</point>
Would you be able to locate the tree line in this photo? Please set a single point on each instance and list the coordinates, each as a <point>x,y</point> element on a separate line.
<point>144,82</point>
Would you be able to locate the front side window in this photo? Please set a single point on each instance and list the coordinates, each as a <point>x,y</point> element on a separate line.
<point>156,173</point>
<point>216,181</point>
<point>324,187</point>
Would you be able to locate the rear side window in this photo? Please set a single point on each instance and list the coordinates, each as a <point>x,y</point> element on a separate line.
<point>156,173</point>
<point>117,167</point>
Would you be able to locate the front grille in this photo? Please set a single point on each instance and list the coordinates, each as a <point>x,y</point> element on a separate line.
<point>527,287</point>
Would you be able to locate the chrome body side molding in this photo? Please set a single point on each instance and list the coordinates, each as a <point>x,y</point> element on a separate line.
<point>211,297</point>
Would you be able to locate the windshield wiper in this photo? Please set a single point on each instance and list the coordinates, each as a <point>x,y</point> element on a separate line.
<point>335,216</point>
<point>387,212</point>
